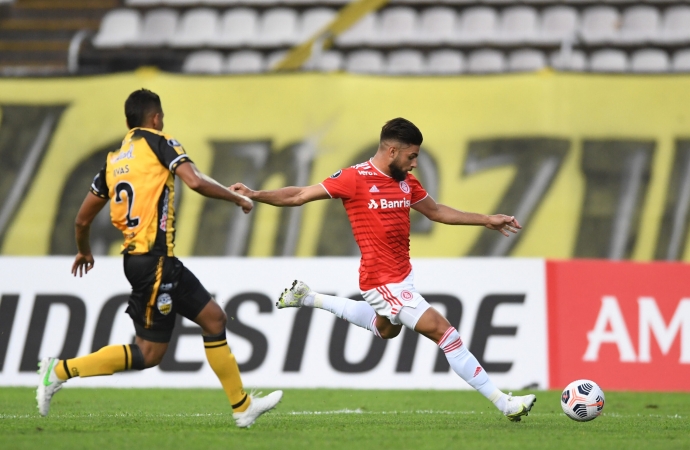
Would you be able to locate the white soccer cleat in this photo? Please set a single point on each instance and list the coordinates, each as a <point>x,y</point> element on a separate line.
<point>518,406</point>
<point>258,406</point>
<point>293,297</point>
<point>48,384</point>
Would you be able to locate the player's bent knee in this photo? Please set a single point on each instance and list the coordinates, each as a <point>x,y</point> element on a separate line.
<point>390,332</point>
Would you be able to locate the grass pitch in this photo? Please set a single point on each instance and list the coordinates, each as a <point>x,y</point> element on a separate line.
<point>333,419</point>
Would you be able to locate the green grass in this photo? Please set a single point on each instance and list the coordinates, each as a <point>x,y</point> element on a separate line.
<point>187,419</point>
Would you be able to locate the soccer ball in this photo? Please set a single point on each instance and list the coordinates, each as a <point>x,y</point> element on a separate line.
<point>582,400</point>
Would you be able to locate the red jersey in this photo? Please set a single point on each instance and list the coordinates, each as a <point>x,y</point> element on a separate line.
<point>378,207</point>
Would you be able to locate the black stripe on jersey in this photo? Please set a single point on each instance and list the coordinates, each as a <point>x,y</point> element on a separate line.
<point>160,146</point>
<point>160,245</point>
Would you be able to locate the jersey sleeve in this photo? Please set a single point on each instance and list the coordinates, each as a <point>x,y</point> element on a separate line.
<point>99,187</point>
<point>169,151</point>
<point>341,184</point>
<point>416,189</point>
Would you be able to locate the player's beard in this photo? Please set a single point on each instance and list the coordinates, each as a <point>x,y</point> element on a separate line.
<point>396,172</point>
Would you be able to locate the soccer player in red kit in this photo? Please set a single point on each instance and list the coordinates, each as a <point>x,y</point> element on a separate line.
<point>377,196</point>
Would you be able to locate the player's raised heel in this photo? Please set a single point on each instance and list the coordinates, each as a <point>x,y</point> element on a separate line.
<point>518,406</point>
<point>293,297</point>
<point>258,406</point>
<point>48,384</point>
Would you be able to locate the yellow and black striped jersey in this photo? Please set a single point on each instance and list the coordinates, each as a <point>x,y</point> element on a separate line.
<point>139,179</point>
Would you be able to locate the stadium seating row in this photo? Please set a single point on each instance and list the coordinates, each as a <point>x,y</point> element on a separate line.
<point>445,62</point>
<point>146,3</point>
<point>396,26</point>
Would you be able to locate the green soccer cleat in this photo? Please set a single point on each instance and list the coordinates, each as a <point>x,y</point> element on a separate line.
<point>518,406</point>
<point>293,297</point>
<point>48,384</point>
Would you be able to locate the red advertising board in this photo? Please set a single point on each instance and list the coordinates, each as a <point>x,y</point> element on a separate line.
<point>624,325</point>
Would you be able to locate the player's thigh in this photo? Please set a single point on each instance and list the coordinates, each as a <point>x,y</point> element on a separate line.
<point>211,319</point>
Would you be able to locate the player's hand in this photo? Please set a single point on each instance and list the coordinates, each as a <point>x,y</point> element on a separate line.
<point>246,204</point>
<point>503,223</point>
<point>241,189</point>
<point>82,264</point>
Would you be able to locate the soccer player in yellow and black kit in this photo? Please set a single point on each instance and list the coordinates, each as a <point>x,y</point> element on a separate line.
<point>138,181</point>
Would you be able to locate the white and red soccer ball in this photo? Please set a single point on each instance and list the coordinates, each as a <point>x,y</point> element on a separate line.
<point>582,400</point>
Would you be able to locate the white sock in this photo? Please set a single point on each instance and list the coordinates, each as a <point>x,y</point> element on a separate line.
<point>467,367</point>
<point>357,313</point>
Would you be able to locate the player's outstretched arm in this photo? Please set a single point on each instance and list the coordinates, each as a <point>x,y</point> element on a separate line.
<point>287,196</point>
<point>451,216</point>
<point>90,207</point>
<point>208,187</point>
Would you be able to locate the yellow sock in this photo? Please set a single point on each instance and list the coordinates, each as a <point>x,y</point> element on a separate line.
<point>106,361</point>
<point>223,363</point>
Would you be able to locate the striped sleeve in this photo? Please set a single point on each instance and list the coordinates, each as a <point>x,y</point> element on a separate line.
<point>99,187</point>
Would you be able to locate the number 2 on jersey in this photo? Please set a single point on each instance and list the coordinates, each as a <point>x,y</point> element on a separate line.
<point>123,186</point>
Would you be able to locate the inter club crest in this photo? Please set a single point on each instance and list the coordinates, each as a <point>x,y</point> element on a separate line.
<point>404,187</point>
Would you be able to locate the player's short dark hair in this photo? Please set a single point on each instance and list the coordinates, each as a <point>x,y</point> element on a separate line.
<point>139,105</point>
<point>401,130</point>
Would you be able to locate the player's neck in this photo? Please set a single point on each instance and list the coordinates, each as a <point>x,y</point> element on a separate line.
<point>380,165</point>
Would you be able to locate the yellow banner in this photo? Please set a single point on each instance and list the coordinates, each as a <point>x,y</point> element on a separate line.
<point>594,166</point>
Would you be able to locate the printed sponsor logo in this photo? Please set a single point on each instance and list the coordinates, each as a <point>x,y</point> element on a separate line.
<point>387,204</point>
<point>337,174</point>
<point>174,143</point>
<point>164,304</point>
<point>373,204</point>
<point>404,187</point>
<point>365,172</point>
<point>129,154</point>
<point>374,189</point>
<point>165,287</point>
<point>620,324</point>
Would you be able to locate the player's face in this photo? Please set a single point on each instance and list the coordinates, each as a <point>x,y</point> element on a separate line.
<point>405,160</point>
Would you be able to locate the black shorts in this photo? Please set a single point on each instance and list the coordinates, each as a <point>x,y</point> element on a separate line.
<point>161,288</point>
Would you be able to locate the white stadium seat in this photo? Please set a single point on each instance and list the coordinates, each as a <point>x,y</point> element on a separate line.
<point>436,25</point>
<point>476,25</point>
<point>204,61</point>
<point>526,60</point>
<point>675,25</point>
<point>119,27</point>
<point>328,61</point>
<point>245,61</point>
<point>405,62</point>
<point>681,61</point>
<point>445,62</point>
<point>650,61</point>
<point>237,27</point>
<point>486,61</point>
<point>277,27</point>
<point>608,60</point>
<point>573,60</point>
<point>600,24</point>
<point>313,20</point>
<point>362,32</point>
<point>158,28</point>
<point>364,61</point>
<point>396,26</point>
<point>559,23</point>
<point>639,24</point>
<point>518,24</point>
<point>197,27</point>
